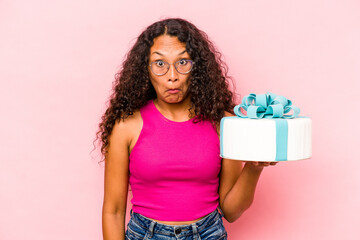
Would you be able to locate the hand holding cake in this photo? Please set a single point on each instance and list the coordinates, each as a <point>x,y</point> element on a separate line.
<point>263,164</point>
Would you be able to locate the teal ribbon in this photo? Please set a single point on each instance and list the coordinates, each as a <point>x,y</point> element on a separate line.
<point>267,105</point>
<point>270,105</point>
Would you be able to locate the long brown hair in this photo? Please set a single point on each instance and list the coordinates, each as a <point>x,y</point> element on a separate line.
<point>209,82</point>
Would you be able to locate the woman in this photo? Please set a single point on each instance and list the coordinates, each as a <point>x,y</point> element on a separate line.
<point>161,135</point>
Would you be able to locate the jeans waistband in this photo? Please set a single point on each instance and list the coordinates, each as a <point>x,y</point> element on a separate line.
<point>147,223</point>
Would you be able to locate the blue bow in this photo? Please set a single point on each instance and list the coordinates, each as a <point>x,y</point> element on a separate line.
<point>267,105</point>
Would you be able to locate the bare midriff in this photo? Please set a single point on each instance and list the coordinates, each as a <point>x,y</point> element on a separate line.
<point>178,223</point>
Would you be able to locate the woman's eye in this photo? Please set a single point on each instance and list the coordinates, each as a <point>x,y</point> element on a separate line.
<point>160,63</point>
<point>183,62</point>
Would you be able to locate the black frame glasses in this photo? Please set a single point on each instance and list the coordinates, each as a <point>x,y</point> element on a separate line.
<point>167,65</point>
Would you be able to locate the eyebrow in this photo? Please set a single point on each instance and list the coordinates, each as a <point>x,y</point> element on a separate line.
<point>163,54</point>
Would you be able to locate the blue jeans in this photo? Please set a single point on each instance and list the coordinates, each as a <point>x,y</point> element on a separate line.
<point>210,227</point>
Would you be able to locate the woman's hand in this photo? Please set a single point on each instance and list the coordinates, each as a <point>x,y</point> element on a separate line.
<point>260,165</point>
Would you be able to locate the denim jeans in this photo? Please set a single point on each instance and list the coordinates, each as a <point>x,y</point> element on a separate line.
<point>211,227</point>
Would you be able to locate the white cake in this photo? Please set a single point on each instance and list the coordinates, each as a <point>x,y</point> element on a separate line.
<point>265,139</point>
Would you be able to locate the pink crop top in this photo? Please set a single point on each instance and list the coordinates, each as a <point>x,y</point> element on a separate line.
<point>174,168</point>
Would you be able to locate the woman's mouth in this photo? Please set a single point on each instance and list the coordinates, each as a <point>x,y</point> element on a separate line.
<point>172,91</point>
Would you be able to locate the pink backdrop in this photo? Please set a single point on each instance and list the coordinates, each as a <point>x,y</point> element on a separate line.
<point>57,62</point>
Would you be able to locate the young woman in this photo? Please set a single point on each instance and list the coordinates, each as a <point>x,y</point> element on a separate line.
<point>160,134</point>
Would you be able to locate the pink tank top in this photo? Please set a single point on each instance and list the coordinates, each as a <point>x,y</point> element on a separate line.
<point>174,168</point>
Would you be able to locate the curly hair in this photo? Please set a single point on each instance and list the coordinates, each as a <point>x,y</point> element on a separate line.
<point>209,82</point>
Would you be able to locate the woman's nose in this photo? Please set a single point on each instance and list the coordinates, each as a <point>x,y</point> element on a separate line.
<point>173,73</point>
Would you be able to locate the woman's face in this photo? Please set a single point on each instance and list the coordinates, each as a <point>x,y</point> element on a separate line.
<point>173,86</point>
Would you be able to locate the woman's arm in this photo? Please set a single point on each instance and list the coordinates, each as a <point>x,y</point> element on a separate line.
<point>238,184</point>
<point>116,183</point>
<point>237,187</point>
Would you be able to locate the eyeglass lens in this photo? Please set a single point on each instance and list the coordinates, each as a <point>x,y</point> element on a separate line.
<point>161,67</point>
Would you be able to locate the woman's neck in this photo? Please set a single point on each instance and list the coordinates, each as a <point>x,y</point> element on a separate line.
<point>174,111</point>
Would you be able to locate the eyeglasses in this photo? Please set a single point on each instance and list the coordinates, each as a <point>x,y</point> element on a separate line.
<point>160,67</point>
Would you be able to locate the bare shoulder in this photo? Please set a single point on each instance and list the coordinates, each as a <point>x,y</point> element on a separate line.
<point>121,137</point>
<point>128,127</point>
<point>133,120</point>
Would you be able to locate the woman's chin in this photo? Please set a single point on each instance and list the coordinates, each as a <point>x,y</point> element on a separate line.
<point>173,99</point>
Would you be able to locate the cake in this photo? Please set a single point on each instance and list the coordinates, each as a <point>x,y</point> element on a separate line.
<point>266,133</point>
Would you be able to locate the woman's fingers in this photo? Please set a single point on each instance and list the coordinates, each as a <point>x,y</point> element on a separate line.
<point>265,164</point>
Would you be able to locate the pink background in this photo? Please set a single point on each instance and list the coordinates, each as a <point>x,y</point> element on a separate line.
<point>57,62</point>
